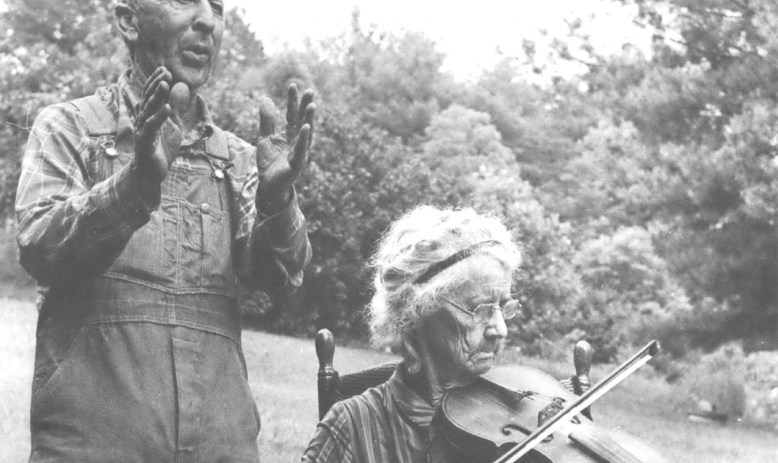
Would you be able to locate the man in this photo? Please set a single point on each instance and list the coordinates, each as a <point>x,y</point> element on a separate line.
<point>136,214</point>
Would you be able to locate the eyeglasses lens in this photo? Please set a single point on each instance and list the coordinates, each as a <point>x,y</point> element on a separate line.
<point>483,312</point>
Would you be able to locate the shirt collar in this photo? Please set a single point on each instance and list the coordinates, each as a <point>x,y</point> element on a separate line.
<point>131,90</point>
<point>416,409</point>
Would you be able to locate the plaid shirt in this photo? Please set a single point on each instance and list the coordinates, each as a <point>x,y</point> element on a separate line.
<point>70,225</point>
<point>388,423</point>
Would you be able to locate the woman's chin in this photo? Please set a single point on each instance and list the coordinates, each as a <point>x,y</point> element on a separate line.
<point>481,362</point>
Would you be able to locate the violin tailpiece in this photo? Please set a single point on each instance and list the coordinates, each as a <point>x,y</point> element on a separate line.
<point>513,395</point>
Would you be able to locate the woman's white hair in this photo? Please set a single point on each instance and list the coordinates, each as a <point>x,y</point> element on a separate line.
<point>416,241</point>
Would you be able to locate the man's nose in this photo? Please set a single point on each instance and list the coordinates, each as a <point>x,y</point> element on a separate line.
<point>205,21</point>
<point>496,328</point>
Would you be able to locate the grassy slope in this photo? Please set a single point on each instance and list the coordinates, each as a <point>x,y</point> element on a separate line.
<point>282,373</point>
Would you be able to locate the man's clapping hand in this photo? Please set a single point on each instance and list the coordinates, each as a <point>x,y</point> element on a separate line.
<point>280,160</point>
<point>161,109</point>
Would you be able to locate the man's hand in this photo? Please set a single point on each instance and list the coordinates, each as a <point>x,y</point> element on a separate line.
<point>280,161</point>
<point>160,110</point>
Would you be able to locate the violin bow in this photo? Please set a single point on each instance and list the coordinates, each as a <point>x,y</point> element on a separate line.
<point>583,401</point>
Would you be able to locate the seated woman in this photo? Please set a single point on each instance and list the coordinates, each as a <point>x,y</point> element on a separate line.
<point>442,294</point>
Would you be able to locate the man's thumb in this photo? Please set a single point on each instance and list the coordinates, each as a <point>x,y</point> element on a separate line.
<point>179,98</point>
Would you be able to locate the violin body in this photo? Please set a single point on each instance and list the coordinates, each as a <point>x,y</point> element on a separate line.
<point>482,421</point>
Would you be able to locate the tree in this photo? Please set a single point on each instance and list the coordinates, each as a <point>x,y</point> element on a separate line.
<point>76,39</point>
<point>685,148</point>
<point>357,183</point>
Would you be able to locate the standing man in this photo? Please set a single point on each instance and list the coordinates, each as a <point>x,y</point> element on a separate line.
<point>136,214</point>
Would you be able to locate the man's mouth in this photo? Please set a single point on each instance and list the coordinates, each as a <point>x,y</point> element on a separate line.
<point>200,53</point>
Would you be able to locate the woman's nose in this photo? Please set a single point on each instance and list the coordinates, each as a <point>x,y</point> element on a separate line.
<point>496,328</point>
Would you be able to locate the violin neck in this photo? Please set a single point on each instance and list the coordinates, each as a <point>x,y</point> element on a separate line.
<point>594,440</point>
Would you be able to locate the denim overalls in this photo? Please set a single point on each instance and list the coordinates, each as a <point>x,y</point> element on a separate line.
<point>143,363</point>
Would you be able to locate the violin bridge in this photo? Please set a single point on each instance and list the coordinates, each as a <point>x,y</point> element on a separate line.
<point>548,412</point>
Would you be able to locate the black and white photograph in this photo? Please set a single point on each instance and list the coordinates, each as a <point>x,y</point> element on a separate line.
<point>411,231</point>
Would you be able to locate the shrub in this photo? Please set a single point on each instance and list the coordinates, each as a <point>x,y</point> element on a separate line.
<point>718,378</point>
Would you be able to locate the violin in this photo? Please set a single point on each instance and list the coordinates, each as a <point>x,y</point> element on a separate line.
<point>488,420</point>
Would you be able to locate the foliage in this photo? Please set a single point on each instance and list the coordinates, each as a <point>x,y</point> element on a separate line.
<point>685,147</point>
<point>74,38</point>
<point>630,290</point>
<point>719,379</point>
<point>357,183</point>
<point>393,81</point>
<point>643,189</point>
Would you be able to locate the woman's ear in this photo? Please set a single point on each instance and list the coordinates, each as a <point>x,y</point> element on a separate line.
<point>127,21</point>
<point>411,353</point>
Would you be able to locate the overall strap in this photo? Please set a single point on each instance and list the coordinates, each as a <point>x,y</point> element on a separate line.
<point>99,120</point>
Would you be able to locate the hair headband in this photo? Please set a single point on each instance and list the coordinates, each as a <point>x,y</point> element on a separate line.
<point>438,267</point>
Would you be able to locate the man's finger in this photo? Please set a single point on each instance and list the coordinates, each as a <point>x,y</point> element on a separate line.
<point>128,103</point>
<point>156,120</point>
<point>291,112</point>
<point>267,117</point>
<point>156,100</point>
<point>300,153</point>
<point>310,117</point>
<point>163,77</point>
<point>152,80</point>
<point>179,99</point>
<point>145,145</point>
<point>307,100</point>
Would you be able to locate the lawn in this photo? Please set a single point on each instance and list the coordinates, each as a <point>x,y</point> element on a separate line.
<point>282,373</point>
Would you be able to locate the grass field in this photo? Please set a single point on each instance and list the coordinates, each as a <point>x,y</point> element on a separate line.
<point>282,373</point>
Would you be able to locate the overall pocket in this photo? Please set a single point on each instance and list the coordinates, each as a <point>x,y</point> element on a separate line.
<point>144,258</point>
<point>216,257</point>
<point>53,350</point>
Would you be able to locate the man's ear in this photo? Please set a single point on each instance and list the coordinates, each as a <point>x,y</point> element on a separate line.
<point>127,21</point>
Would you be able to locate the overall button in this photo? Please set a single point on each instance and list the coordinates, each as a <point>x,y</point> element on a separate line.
<point>205,208</point>
<point>110,148</point>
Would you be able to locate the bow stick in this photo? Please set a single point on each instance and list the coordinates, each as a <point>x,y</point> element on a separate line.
<point>583,401</point>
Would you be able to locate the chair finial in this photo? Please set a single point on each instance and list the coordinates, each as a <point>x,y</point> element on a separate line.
<point>582,357</point>
<point>325,349</point>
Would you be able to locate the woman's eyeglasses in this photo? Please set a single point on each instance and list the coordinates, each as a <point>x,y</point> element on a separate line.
<point>483,312</point>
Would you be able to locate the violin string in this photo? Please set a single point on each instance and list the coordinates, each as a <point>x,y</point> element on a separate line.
<point>518,394</point>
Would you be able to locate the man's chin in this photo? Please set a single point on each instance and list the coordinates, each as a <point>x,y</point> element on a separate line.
<point>194,78</point>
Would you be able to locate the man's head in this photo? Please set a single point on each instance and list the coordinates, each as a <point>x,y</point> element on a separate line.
<point>182,35</point>
<point>434,268</point>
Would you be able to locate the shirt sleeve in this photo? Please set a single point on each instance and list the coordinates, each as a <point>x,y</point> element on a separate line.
<point>66,226</point>
<point>332,441</point>
<point>272,251</point>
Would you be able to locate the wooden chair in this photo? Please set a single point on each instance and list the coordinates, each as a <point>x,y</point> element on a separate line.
<point>334,388</point>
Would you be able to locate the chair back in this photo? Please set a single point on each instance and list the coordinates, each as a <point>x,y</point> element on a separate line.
<point>334,388</point>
